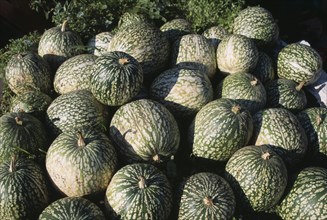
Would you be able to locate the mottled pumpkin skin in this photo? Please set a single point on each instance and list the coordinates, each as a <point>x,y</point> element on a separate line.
<point>206,196</point>
<point>23,190</point>
<point>258,177</point>
<point>307,196</point>
<point>215,34</point>
<point>72,208</point>
<point>139,191</point>
<point>176,28</point>
<point>98,44</point>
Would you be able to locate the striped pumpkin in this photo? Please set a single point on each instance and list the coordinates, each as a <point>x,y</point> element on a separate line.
<point>28,71</point>
<point>139,191</point>
<point>176,28</point>
<point>300,63</point>
<point>258,177</point>
<point>72,208</point>
<point>144,130</point>
<point>215,34</point>
<point>81,162</point>
<point>236,54</point>
<point>195,51</point>
<point>23,190</point>
<point>116,78</point>
<point>206,196</point>
<point>280,129</point>
<point>183,91</point>
<point>219,129</point>
<point>307,197</point>
<point>265,68</point>
<point>98,44</point>
<point>74,74</point>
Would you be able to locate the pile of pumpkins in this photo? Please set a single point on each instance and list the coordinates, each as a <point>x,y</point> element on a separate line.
<point>164,123</point>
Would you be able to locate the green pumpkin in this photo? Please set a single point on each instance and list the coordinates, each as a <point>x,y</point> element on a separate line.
<point>23,189</point>
<point>116,78</point>
<point>139,191</point>
<point>265,68</point>
<point>176,28</point>
<point>98,44</point>
<point>72,208</point>
<point>215,34</point>
<point>258,177</point>
<point>81,162</point>
<point>206,196</point>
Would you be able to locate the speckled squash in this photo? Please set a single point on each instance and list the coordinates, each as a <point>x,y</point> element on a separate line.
<point>72,208</point>
<point>215,34</point>
<point>194,50</point>
<point>144,130</point>
<point>258,177</point>
<point>76,109</point>
<point>265,68</point>
<point>314,122</point>
<point>116,78</point>
<point>74,74</point>
<point>206,196</point>
<point>307,197</point>
<point>28,71</point>
<point>139,191</point>
<point>57,44</point>
<point>258,24</point>
<point>21,132</point>
<point>300,63</point>
<point>219,129</point>
<point>98,44</point>
<point>183,91</point>
<point>246,89</point>
<point>146,43</point>
<point>287,94</point>
<point>176,28</point>
<point>236,54</point>
<point>280,128</point>
<point>23,190</point>
<point>131,18</point>
<point>81,162</point>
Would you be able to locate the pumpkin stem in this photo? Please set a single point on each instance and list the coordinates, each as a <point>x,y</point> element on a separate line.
<point>142,182</point>
<point>123,61</point>
<point>254,82</point>
<point>12,166</point>
<point>236,109</point>
<point>18,120</point>
<point>266,156</point>
<point>64,26</point>
<point>81,140</point>
<point>300,86</point>
<point>156,158</point>
<point>208,201</point>
<point>319,119</point>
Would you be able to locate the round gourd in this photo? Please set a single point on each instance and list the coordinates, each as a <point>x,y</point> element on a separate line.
<point>57,44</point>
<point>215,34</point>
<point>300,63</point>
<point>23,190</point>
<point>258,177</point>
<point>244,88</point>
<point>116,78</point>
<point>28,71</point>
<point>72,208</point>
<point>285,93</point>
<point>206,196</point>
<point>131,18</point>
<point>74,74</point>
<point>265,68</point>
<point>81,162</point>
<point>146,43</point>
<point>139,191</point>
<point>236,54</point>
<point>144,130</point>
<point>195,51</point>
<point>98,44</point>
<point>176,28</point>
<point>258,24</point>
<point>280,129</point>
<point>219,129</point>
<point>183,91</point>
<point>307,197</point>
<point>21,134</point>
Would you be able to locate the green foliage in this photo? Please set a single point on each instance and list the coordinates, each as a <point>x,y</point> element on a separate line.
<point>206,13</point>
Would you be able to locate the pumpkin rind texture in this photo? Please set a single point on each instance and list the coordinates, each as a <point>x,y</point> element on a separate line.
<point>23,189</point>
<point>176,28</point>
<point>72,208</point>
<point>116,78</point>
<point>98,44</point>
<point>206,196</point>
<point>139,191</point>
<point>144,130</point>
<point>300,63</point>
<point>258,177</point>
<point>215,34</point>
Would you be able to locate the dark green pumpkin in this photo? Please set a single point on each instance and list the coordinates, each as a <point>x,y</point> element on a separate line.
<point>116,78</point>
